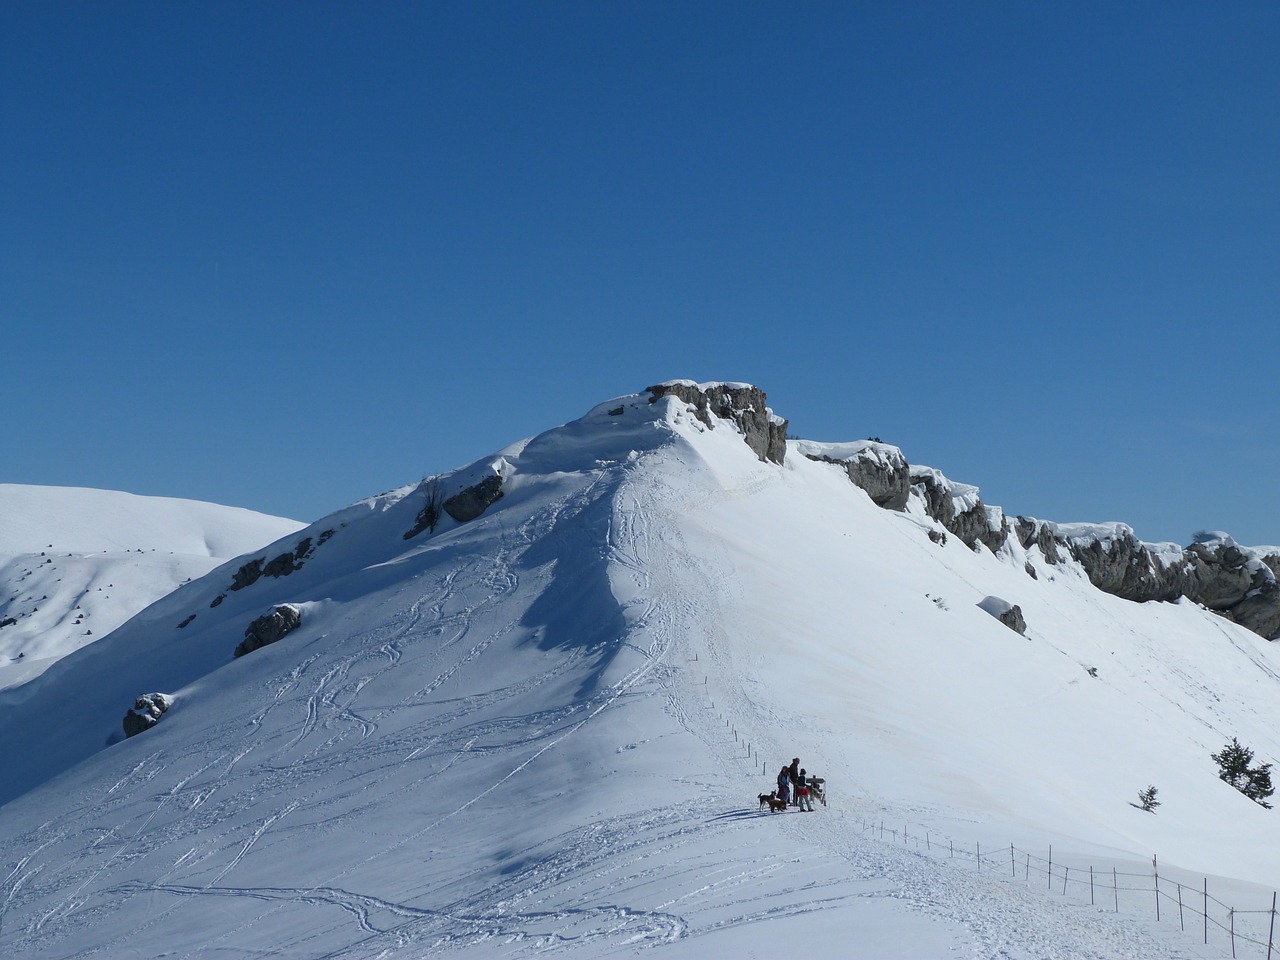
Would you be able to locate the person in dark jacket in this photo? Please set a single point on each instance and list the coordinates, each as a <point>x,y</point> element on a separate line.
<point>803,800</point>
<point>784,785</point>
<point>793,774</point>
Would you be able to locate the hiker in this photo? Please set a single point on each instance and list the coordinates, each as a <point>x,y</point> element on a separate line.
<point>802,793</point>
<point>784,785</point>
<point>793,774</point>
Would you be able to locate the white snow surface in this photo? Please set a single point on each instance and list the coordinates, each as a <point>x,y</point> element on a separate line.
<point>75,563</point>
<point>543,732</point>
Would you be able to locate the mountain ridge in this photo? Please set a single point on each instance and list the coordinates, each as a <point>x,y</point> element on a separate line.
<point>543,729</point>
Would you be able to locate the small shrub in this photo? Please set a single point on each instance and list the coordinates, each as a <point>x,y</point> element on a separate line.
<point>1147,799</point>
<point>1234,768</point>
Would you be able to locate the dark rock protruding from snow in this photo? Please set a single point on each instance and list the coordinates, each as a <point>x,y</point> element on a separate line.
<point>146,712</point>
<point>473,501</point>
<point>741,403</point>
<point>1031,531</point>
<point>283,565</point>
<point>282,620</point>
<point>1010,614</point>
<point>878,468</point>
<point>959,509</point>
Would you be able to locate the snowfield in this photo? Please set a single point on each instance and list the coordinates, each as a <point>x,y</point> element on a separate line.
<point>543,732</point>
<point>76,563</point>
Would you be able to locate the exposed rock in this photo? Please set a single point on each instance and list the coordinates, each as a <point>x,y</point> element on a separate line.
<point>287,563</point>
<point>282,620</point>
<point>248,574</point>
<point>1031,531</point>
<point>473,501</point>
<point>1225,574</point>
<point>959,508</point>
<point>743,404</point>
<point>878,468</point>
<point>146,712</point>
<point>185,622</point>
<point>1122,565</point>
<point>281,566</point>
<point>938,537</point>
<point>7,622</point>
<point>217,600</point>
<point>1010,614</point>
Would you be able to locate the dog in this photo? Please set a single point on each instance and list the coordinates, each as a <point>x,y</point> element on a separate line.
<point>775,804</point>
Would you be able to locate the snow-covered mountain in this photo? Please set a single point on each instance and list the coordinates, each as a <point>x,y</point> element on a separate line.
<point>76,563</point>
<point>526,708</point>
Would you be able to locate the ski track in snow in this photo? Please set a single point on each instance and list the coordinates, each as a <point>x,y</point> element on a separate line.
<point>294,748</point>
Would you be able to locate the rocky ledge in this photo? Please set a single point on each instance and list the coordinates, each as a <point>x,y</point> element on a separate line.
<point>1239,583</point>
<point>741,403</point>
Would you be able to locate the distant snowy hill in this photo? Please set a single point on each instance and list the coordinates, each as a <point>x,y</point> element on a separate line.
<point>526,708</point>
<point>76,563</point>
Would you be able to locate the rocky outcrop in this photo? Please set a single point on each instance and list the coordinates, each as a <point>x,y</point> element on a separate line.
<point>281,566</point>
<point>1239,583</point>
<point>281,621</point>
<point>1233,581</point>
<point>741,403</point>
<point>146,712</point>
<point>1030,531</point>
<point>475,500</point>
<point>878,468</point>
<point>1010,614</point>
<point>1120,564</point>
<point>959,509</point>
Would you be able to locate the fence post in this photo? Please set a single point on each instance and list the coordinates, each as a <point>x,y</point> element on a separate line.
<point>953,848</point>
<point>1051,866</point>
<point>1155,869</point>
<point>1028,876</point>
<point>926,841</point>
<point>1115,888</point>
<point>1065,871</point>
<point>1206,910</point>
<point>1091,903</point>
<point>1013,867</point>
<point>979,846</point>
<point>1233,933</point>
<point>1180,923</point>
<point>1272,935</point>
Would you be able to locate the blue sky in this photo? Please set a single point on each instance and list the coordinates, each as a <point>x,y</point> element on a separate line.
<point>286,256</point>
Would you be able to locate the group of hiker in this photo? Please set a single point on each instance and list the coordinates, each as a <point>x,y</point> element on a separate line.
<point>795,787</point>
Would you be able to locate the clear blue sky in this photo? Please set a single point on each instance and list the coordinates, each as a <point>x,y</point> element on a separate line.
<point>288,255</point>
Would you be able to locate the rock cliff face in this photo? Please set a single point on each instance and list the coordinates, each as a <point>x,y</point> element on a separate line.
<point>741,403</point>
<point>878,468</point>
<point>1236,582</point>
<point>959,508</point>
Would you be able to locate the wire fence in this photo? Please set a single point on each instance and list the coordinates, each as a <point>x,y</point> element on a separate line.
<point>1196,909</point>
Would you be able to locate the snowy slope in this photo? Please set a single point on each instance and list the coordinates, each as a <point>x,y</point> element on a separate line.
<point>76,563</point>
<point>542,731</point>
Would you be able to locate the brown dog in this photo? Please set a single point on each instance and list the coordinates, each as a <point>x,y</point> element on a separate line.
<point>775,804</point>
